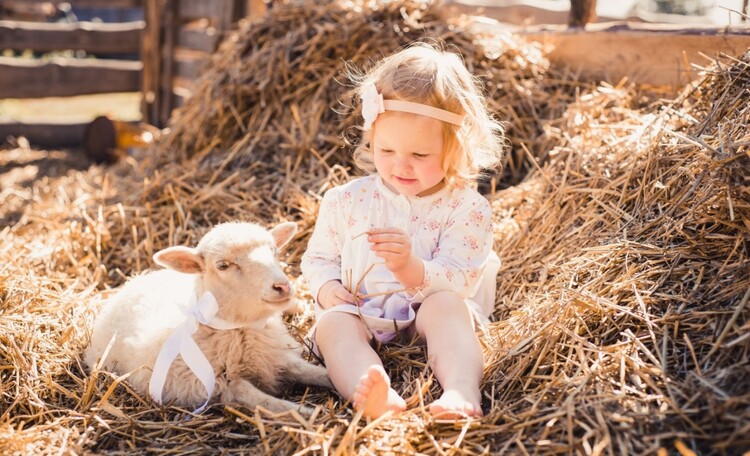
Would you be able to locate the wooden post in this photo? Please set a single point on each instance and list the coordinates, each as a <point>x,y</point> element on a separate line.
<point>151,63</point>
<point>169,31</point>
<point>225,17</point>
<point>581,13</point>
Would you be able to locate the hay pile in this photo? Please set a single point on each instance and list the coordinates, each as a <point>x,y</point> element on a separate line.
<point>622,317</point>
<point>624,324</point>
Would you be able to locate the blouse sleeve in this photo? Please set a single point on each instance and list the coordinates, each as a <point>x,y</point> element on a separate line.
<point>463,249</point>
<point>321,262</point>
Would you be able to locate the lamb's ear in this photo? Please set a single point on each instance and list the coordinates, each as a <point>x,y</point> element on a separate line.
<point>180,258</point>
<point>283,233</point>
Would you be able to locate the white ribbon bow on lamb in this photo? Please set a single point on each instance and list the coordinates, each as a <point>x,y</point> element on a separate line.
<point>180,342</point>
<point>372,105</point>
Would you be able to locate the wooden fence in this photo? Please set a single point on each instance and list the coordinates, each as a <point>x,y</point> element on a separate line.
<point>24,27</point>
<point>158,57</point>
<point>180,37</point>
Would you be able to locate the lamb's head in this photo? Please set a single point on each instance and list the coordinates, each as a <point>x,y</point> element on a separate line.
<point>236,261</point>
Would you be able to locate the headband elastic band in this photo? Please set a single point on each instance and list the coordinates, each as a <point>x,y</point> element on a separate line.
<point>423,110</point>
<point>373,105</point>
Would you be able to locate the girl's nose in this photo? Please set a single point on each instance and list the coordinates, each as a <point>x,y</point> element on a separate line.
<point>402,163</point>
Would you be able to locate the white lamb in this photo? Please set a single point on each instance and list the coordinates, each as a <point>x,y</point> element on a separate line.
<point>236,262</point>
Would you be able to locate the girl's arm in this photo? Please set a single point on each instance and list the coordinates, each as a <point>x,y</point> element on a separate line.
<point>321,262</point>
<point>463,249</point>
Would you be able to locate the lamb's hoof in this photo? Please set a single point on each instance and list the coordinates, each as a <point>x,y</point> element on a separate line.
<point>306,410</point>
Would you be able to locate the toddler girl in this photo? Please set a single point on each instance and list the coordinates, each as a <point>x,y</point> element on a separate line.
<point>408,249</point>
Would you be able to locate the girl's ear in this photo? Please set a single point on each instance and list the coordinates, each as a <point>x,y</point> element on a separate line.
<point>283,233</point>
<point>181,259</point>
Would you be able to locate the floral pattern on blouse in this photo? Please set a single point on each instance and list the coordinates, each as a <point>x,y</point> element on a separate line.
<point>451,232</point>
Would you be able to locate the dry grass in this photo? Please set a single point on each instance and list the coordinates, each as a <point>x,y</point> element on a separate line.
<point>622,324</point>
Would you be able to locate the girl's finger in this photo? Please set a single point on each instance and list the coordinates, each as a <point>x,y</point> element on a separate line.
<point>390,246</point>
<point>386,230</point>
<point>344,296</point>
<point>382,237</point>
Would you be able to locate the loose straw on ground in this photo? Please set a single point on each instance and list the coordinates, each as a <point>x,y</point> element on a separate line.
<point>621,324</point>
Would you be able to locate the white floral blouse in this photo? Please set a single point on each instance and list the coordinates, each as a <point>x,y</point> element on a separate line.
<point>451,231</point>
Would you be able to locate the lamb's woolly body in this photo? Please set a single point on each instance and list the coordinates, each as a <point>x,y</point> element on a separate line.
<point>144,312</point>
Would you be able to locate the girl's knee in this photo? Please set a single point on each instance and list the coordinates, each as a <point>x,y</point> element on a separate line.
<point>334,326</point>
<point>443,302</point>
<point>441,308</point>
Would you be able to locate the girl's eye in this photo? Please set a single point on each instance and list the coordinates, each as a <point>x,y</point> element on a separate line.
<point>420,155</point>
<point>222,265</point>
<point>385,151</point>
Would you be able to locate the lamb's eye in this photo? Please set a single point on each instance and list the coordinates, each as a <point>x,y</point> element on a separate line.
<point>222,265</point>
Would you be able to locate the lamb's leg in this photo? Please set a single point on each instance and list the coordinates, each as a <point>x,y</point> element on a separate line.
<point>240,390</point>
<point>300,371</point>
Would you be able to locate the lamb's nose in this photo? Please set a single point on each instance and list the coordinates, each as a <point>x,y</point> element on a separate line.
<point>281,288</point>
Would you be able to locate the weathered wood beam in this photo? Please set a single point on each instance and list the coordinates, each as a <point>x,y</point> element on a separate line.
<point>93,37</point>
<point>198,35</point>
<point>657,54</point>
<point>196,9</point>
<point>45,135</point>
<point>59,77</point>
<point>90,3</point>
<point>189,63</point>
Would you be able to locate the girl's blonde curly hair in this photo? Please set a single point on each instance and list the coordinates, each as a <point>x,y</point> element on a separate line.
<point>423,73</point>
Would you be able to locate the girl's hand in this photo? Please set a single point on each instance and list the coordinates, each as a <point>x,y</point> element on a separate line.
<point>332,294</point>
<point>392,245</point>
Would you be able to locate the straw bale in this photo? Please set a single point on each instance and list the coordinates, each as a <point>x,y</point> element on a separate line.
<point>622,312</point>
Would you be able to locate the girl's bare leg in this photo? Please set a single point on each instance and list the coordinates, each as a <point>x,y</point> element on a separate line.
<point>355,369</point>
<point>454,354</point>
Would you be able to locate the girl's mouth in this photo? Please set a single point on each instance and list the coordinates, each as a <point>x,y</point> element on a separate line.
<point>403,180</point>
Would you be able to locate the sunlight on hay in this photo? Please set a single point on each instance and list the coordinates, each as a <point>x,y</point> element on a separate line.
<point>621,323</point>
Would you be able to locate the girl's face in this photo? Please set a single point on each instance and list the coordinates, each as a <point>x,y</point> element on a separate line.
<point>408,152</point>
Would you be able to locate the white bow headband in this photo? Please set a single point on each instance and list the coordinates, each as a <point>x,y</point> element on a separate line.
<point>373,104</point>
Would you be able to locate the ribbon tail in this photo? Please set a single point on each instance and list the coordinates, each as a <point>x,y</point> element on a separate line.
<point>198,363</point>
<point>166,356</point>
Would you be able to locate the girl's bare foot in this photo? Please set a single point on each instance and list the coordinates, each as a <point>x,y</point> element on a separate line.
<point>374,395</point>
<point>453,405</point>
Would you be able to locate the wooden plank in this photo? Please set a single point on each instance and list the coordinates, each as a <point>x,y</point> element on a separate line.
<point>87,36</point>
<point>226,15</point>
<point>89,3</point>
<point>198,35</point>
<point>45,135</point>
<point>181,91</point>
<point>23,11</point>
<point>190,64</point>
<point>656,54</point>
<point>31,78</point>
<point>520,13</point>
<point>196,9</point>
